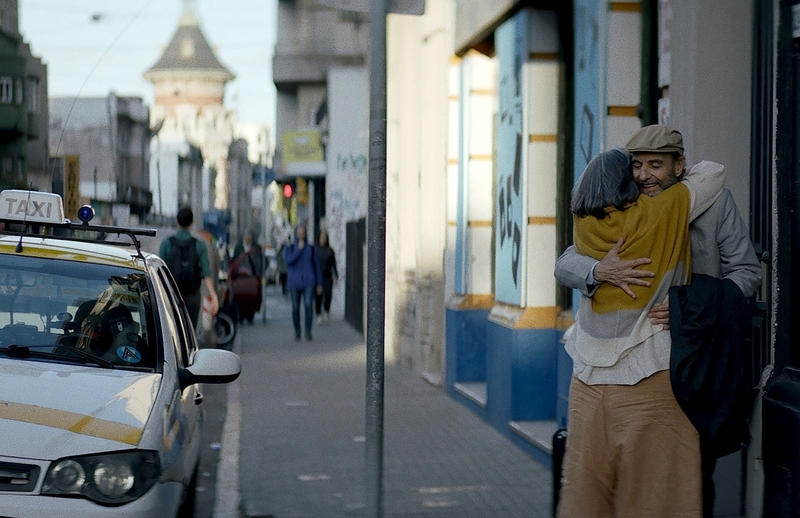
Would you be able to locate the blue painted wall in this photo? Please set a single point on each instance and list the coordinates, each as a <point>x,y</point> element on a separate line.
<point>520,374</point>
<point>466,346</point>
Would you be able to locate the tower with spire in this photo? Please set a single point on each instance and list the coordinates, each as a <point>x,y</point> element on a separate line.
<point>189,86</point>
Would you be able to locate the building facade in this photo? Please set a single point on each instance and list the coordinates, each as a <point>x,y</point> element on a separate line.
<point>557,83</point>
<point>24,160</point>
<point>110,137</point>
<point>479,176</point>
<point>189,85</point>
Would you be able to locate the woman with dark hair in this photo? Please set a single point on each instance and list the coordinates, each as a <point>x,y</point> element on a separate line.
<point>330,275</point>
<point>631,451</point>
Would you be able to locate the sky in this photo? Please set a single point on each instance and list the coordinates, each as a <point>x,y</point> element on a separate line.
<point>94,47</point>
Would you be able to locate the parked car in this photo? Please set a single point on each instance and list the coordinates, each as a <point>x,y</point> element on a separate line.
<point>101,403</point>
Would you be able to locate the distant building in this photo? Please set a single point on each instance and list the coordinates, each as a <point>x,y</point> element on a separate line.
<point>259,142</point>
<point>240,180</point>
<point>260,152</point>
<point>111,137</point>
<point>23,108</point>
<point>189,84</point>
<point>178,177</point>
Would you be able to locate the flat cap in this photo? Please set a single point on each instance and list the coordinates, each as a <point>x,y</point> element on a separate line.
<point>656,138</point>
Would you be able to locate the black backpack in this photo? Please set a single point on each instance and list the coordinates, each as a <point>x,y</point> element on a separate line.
<point>184,264</point>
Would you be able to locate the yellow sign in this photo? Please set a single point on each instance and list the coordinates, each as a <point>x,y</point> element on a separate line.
<point>302,146</point>
<point>72,183</point>
<point>302,191</point>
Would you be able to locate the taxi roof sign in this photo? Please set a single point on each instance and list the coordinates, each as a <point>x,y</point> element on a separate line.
<point>31,206</point>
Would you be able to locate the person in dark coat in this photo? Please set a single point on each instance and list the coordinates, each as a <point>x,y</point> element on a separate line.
<point>303,279</point>
<point>330,275</point>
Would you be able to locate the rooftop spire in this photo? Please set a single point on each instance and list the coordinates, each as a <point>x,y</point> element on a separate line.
<point>189,14</point>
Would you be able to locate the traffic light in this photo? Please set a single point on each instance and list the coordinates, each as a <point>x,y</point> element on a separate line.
<point>289,194</point>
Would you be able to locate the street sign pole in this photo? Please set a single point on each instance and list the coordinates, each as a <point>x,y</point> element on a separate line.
<point>376,261</point>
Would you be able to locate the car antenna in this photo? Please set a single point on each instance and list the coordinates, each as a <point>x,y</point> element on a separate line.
<point>24,219</point>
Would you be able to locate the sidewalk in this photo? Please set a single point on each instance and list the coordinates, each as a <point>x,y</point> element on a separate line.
<point>301,442</point>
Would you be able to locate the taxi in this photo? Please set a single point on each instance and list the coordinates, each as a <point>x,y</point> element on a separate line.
<point>101,403</point>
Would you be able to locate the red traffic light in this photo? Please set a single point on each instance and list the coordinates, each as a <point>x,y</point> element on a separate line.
<point>287,190</point>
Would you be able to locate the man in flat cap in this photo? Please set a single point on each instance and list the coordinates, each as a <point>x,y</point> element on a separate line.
<point>720,248</point>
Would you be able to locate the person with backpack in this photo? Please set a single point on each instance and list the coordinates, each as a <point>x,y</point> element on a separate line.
<point>304,278</point>
<point>188,261</point>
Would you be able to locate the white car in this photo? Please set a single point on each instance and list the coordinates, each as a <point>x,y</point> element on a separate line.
<point>100,400</point>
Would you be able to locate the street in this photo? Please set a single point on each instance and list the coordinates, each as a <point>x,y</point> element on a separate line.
<point>300,440</point>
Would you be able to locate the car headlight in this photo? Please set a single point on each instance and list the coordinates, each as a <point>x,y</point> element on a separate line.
<point>110,478</point>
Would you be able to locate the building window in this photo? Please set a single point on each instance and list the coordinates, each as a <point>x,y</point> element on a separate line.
<point>33,95</point>
<point>6,90</point>
<point>18,91</point>
<point>187,48</point>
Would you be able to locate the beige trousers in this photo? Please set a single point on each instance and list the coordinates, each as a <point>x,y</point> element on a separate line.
<point>631,452</point>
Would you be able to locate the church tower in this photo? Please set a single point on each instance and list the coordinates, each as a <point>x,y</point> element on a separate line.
<point>189,85</point>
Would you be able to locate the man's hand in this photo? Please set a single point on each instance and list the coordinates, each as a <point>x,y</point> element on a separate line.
<point>319,290</point>
<point>612,270</point>
<point>659,315</point>
<point>211,294</point>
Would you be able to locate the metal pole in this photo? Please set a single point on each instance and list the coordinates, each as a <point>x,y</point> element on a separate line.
<point>376,261</point>
<point>264,264</point>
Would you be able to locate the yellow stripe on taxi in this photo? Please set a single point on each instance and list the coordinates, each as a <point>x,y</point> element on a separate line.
<point>74,422</point>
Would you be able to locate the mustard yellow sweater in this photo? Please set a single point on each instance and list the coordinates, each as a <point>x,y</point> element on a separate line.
<point>657,228</point>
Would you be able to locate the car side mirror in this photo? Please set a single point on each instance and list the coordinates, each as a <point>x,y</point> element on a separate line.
<point>211,366</point>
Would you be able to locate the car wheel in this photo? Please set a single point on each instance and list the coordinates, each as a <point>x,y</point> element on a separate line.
<point>225,329</point>
<point>189,497</point>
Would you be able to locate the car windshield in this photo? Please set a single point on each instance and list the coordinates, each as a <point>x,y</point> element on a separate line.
<point>67,311</point>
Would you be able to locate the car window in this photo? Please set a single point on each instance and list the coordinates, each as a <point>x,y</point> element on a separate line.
<point>177,315</point>
<point>57,310</point>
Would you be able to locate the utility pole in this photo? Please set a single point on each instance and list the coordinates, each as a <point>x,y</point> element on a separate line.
<point>376,240</point>
<point>376,260</point>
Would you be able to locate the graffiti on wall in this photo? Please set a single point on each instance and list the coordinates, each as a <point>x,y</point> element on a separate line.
<point>587,89</point>
<point>347,197</point>
<point>508,195</point>
<point>511,44</point>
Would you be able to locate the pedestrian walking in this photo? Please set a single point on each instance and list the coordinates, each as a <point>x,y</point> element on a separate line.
<point>330,276</point>
<point>188,261</point>
<point>303,279</point>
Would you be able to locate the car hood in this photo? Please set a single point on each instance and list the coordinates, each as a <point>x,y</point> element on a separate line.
<point>50,410</point>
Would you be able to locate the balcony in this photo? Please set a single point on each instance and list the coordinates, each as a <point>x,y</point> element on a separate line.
<point>13,119</point>
<point>290,70</point>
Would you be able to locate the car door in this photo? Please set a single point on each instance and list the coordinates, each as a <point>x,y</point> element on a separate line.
<point>184,415</point>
